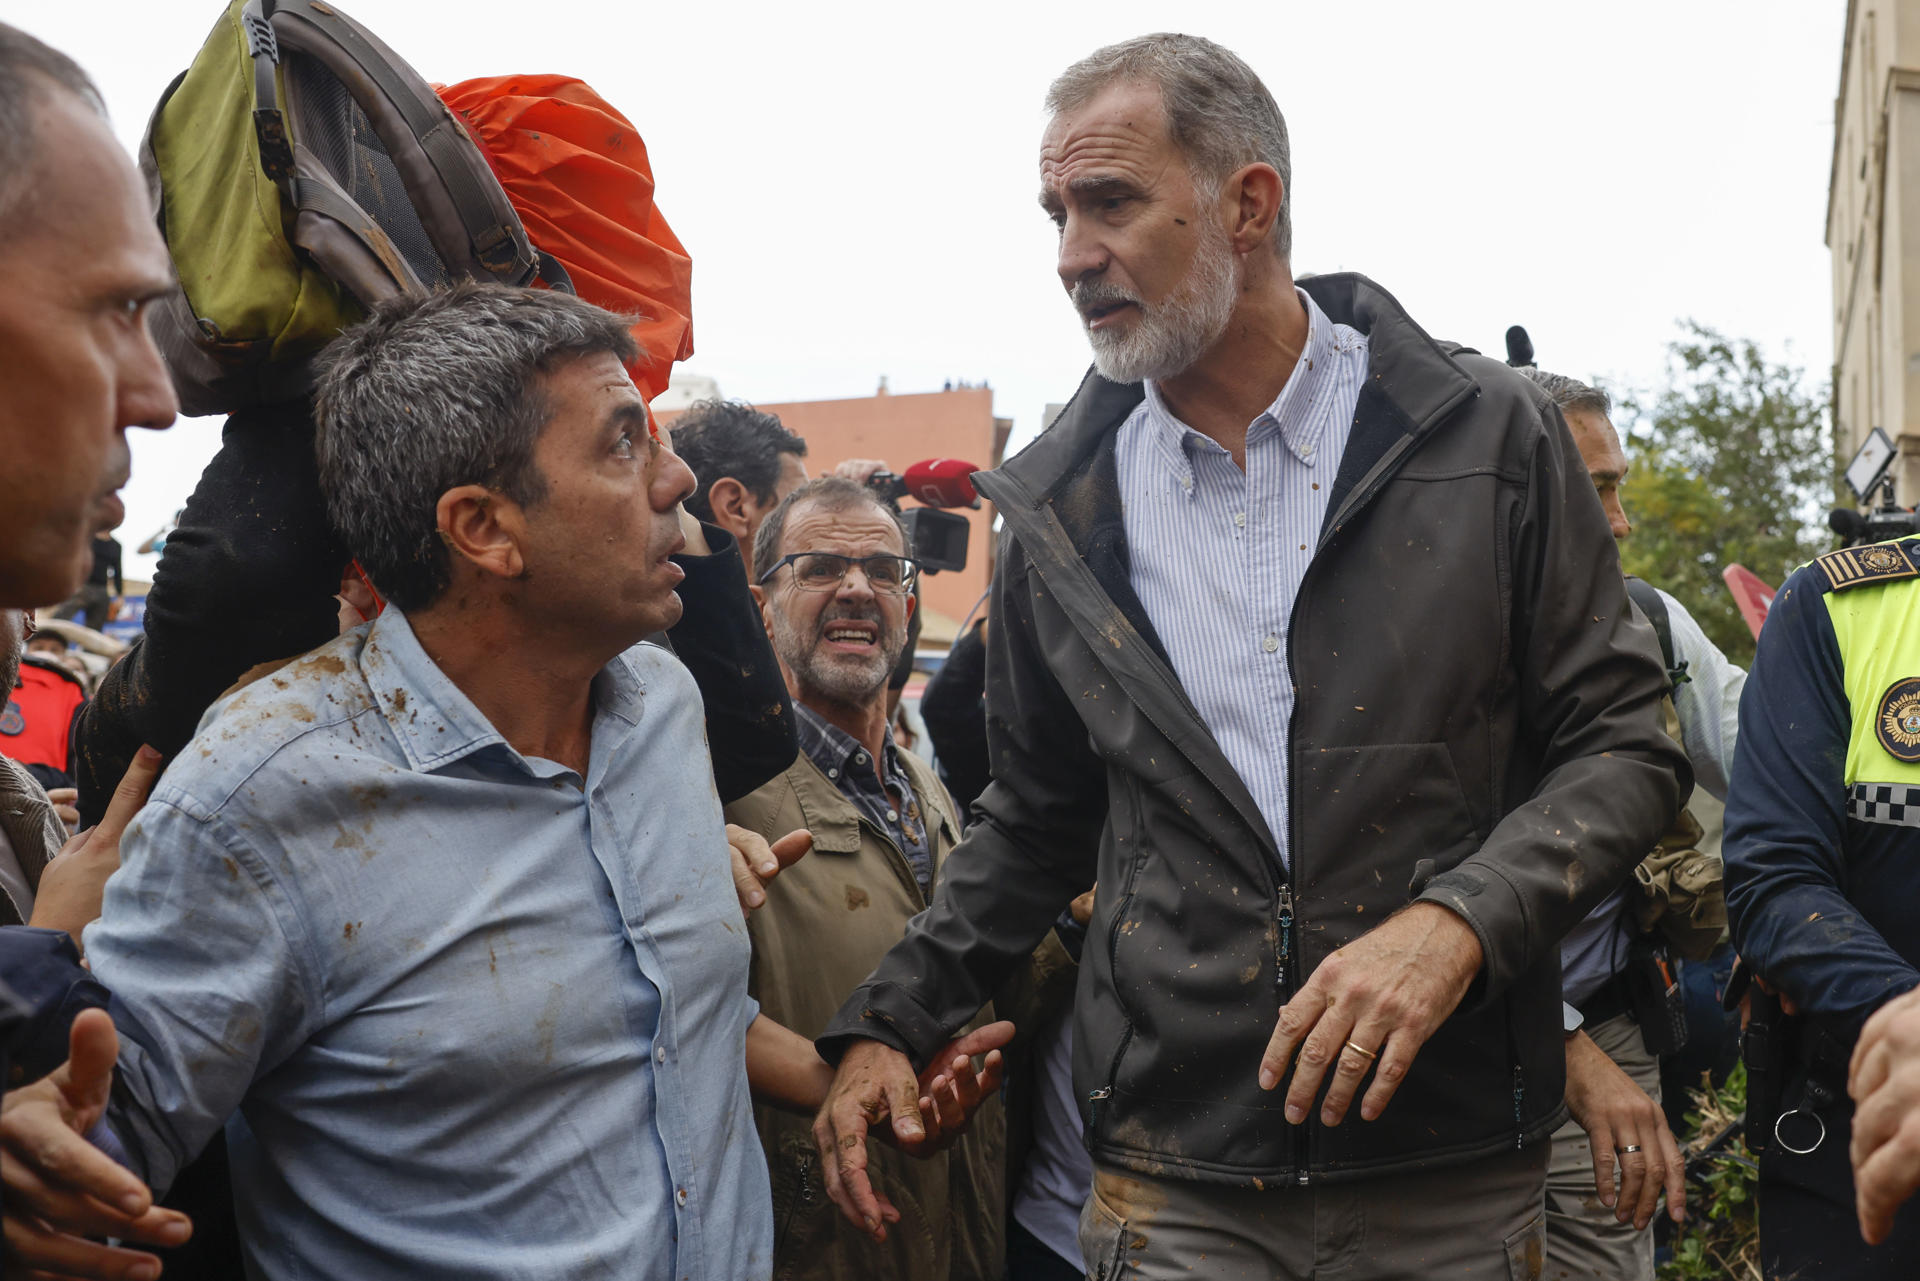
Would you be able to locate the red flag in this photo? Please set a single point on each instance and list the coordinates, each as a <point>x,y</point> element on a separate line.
<point>1750,593</point>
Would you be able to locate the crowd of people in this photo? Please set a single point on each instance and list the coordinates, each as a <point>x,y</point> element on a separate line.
<point>498,857</point>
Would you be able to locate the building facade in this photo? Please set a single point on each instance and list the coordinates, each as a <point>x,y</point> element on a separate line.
<point>1873,233</point>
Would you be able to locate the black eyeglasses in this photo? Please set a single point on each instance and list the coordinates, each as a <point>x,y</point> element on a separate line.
<point>825,571</point>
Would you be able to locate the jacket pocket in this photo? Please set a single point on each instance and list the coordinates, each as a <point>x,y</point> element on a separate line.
<point>1103,1239</point>
<point>1376,821</point>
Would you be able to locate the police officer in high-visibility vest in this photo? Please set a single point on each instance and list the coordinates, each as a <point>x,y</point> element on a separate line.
<point>1823,885</point>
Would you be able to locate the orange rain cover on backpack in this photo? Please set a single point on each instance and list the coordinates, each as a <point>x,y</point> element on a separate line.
<point>577,174</point>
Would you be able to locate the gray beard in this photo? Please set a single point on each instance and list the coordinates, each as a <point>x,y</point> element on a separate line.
<point>849,682</point>
<point>1172,335</point>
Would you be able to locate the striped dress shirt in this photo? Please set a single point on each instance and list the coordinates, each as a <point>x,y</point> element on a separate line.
<point>1218,553</point>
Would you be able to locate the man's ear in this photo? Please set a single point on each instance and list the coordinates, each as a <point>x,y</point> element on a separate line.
<point>1255,191</point>
<point>766,607</point>
<point>733,507</point>
<point>484,528</point>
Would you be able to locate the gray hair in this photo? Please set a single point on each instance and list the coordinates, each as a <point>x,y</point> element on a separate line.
<point>835,494</point>
<point>431,393</point>
<point>1218,112</point>
<point>28,70</point>
<point>1570,393</point>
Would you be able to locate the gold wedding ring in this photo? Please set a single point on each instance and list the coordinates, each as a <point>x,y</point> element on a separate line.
<point>1361,1049</point>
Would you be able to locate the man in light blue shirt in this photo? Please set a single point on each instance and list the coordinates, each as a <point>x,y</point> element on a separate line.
<point>441,915</point>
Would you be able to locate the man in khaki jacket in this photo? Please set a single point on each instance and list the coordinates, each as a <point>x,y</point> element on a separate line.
<point>836,590</point>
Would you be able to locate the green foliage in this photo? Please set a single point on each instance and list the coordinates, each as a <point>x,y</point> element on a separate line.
<point>1721,1237</point>
<point>1731,462</point>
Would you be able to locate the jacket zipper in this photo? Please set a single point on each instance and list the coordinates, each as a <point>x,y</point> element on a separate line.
<point>802,1196</point>
<point>1286,929</point>
<point>1098,1096</point>
<point>1519,1108</point>
<point>1289,963</point>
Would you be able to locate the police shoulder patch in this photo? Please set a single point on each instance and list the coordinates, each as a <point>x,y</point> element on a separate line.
<point>1874,563</point>
<point>1897,725</point>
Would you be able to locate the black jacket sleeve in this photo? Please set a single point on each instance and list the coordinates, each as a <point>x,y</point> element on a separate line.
<point>248,575</point>
<point>1786,843</point>
<point>954,708</point>
<point>42,988</point>
<point>723,642</point>
<point>1590,683</point>
<point>1043,836</point>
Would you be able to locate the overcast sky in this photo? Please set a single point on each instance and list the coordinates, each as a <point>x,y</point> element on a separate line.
<point>856,182</point>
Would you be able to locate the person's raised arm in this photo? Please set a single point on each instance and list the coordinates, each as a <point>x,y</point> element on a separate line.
<point>723,642</point>
<point>248,576</point>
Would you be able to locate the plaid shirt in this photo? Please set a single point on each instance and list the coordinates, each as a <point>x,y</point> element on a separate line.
<point>843,760</point>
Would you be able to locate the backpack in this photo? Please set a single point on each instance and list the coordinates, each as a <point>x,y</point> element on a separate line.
<point>1680,890</point>
<point>301,171</point>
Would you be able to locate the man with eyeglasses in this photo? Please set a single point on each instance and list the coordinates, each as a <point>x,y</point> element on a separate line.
<point>836,590</point>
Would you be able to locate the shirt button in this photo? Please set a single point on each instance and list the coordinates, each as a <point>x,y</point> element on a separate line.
<point>681,1196</point>
<point>1271,643</point>
<point>859,758</point>
<point>660,1054</point>
<point>833,773</point>
<point>1240,519</point>
<point>893,816</point>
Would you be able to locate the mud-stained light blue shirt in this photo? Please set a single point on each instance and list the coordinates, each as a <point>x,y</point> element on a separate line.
<point>479,1017</point>
<point>1217,553</point>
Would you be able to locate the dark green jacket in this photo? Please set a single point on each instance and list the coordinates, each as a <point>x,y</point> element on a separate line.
<point>1477,723</point>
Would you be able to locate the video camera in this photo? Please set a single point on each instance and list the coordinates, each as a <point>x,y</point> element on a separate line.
<point>935,538</point>
<point>1866,474</point>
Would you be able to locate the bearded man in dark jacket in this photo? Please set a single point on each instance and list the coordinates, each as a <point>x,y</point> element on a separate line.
<point>1310,645</point>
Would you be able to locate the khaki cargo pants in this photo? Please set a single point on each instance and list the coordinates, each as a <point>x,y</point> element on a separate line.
<point>1484,1221</point>
<point>1584,1240</point>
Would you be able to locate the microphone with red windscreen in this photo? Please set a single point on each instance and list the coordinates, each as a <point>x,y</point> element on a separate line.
<point>937,539</point>
<point>942,482</point>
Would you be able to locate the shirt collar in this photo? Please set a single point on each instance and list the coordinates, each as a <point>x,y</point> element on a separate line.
<point>833,749</point>
<point>436,724</point>
<point>1291,413</point>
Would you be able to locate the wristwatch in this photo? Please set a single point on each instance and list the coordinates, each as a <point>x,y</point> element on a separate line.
<point>1571,1019</point>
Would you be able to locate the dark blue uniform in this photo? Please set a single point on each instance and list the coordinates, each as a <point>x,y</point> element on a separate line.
<point>1823,874</point>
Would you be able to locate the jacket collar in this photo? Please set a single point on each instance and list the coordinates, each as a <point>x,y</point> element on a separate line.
<point>1412,382</point>
<point>835,821</point>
